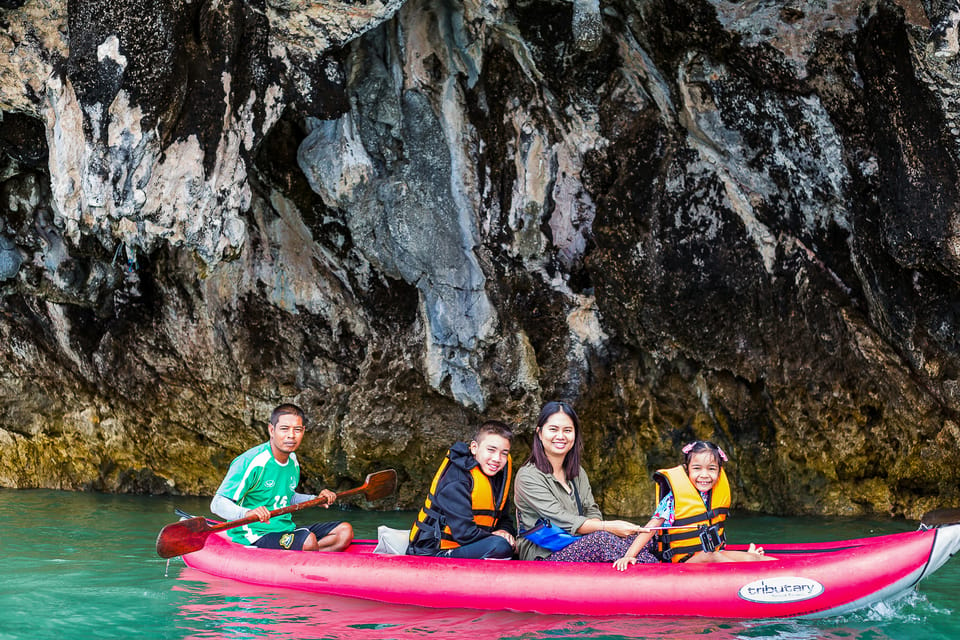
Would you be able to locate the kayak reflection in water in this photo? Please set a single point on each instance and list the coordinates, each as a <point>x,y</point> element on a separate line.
<point>693,500</point>
<point>265,478</point>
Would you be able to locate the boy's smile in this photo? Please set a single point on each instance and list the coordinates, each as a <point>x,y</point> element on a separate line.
<point>491,453</point>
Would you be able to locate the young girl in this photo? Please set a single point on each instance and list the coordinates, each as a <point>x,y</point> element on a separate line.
<point>693,501</point>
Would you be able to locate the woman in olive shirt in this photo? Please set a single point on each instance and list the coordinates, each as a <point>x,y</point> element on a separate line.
<point>552,485</point>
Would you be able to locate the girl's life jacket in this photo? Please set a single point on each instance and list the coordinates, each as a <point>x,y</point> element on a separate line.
<point>679,544</point>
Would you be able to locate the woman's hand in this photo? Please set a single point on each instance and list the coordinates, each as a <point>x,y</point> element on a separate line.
<point>506,536</point>
<point>623,563</point>
<point>621,528</point>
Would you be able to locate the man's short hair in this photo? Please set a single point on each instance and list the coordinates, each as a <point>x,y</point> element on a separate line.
<point>287,409</point>
<point>497,428</point>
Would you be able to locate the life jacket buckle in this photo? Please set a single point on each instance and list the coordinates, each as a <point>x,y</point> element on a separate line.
<point>710,537</point>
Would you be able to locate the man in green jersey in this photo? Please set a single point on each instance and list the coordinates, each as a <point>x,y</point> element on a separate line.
<point>265,478</point>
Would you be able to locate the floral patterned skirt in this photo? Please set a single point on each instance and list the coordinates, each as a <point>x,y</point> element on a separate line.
<point>601,546</point>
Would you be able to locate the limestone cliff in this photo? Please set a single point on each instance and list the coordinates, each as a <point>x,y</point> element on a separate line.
<point>699,218</point>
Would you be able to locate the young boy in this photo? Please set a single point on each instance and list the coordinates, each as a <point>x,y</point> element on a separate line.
<point>465,514</point>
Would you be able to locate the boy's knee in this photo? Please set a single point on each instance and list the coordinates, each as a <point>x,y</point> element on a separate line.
<point>501,548</point>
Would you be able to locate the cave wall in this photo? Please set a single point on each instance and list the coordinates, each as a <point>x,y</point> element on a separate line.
<point>698,219</point>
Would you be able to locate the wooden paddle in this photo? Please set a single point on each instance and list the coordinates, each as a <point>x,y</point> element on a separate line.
<point>190,535</point>
<point>940,517</point>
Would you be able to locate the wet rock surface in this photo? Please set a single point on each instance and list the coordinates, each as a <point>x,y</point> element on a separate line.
<point>734,221</point>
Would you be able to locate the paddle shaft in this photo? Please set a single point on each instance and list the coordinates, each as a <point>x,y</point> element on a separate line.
<point>189,535</point>
<point>319,500</point>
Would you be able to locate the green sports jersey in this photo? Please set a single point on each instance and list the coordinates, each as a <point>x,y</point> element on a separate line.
<point>255,478</point>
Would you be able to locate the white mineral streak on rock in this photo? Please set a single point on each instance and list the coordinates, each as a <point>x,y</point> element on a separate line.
<point>96,184</point>
<point>643,77</point>
<point>574,210</point>
<point>532,159</point>
<point>32,37</point>
<point>463,183</point>
<point>551,169</point>
<point>701,387</point>
<point>416,221</point>
<point>510,39</point>
<point>763,23</point>
<point>334,161</point>
<point>698,110</point>
<point>304,27</point>
<point>125,143</point>
<point>420,45</point>
<point>828,156</point>
<point>61,323</point>
<point>457,312</point>
<point>455,47</point>
<point>587,24</point>
<point>294,275</point>
<point>528,370</point>
<point>584,322</point>
<point>945,36</point>
<point>175,185</point>
<point>815,163</point>
<point>466,32</point>
<point>109,49</point>
<point>164,195</point>
<point>586,333</point>
<point>68,154</point>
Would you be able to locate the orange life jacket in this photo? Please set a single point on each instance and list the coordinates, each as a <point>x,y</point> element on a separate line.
<point>487,508</point>
<point>678,545</point>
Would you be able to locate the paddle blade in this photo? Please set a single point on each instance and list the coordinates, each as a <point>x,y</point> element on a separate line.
<point>940,517</point>
<point>183,537</point>
<point>380,484</point>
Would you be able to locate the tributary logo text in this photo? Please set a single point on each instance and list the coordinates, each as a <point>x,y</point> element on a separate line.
<point>784,589</point>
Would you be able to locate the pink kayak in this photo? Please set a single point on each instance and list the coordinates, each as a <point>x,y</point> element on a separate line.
<point>807,580</point>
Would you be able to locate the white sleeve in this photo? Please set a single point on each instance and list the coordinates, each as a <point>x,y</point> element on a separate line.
<point>227,508</point>
<point>301,497</point>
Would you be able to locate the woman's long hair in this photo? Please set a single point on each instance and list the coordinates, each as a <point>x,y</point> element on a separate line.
<point>538,457</point>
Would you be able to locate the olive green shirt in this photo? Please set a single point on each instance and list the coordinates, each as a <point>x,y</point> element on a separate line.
<point>539,495</point>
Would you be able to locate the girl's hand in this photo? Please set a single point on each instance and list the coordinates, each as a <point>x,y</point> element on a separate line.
<point>623,563</point>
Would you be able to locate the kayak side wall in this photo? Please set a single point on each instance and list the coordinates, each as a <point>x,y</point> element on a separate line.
<point>809,585</point>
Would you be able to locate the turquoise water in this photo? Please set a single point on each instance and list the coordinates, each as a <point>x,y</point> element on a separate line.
<point>84,566</point>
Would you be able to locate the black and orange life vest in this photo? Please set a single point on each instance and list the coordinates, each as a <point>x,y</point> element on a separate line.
<point>678,545</point>
<point>487,508</point>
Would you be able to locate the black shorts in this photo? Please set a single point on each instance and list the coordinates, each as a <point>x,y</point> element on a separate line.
<point>295,539</point>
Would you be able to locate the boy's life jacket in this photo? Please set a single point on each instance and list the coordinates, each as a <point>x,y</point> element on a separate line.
<point>678,545</point>
<point>488,499</point>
